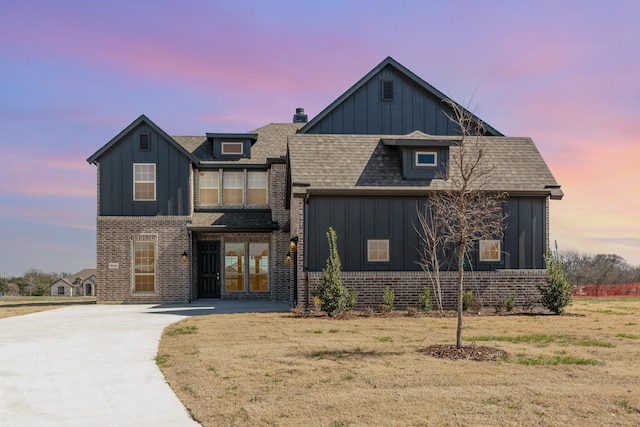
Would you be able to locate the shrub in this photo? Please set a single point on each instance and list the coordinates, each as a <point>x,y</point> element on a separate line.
<point>468,298</point>
<point>333,294</point>
<point>556,294</point>
<point>425,300</point>
<point>388,296</point>
<point>510,301</point>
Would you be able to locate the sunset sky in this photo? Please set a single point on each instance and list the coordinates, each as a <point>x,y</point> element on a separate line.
<point>73,74</point>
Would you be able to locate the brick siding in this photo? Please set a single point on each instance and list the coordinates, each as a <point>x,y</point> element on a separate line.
<point>115,236</point>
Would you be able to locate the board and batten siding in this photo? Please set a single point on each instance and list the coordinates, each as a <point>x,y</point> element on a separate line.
<point>364,111</point>
<point>116,177</point>
<point>359,218</point>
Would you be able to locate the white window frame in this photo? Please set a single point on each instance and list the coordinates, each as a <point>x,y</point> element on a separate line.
<point>223,145</point>
<point>432,153</point>
<point>482,249</point>
<point>155,265</point>
<point>371,250</point>
<point>225,181</point>
<point>136,181</point>
<point>201,175</point>
<point>265,174</point>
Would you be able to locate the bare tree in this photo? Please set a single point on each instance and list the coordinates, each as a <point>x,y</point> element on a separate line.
<point>468,210</point>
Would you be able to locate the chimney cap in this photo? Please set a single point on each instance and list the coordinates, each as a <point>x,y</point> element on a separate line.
<point>300,116</point>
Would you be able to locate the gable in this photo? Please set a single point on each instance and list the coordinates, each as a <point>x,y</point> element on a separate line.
<point>389,100</point>
<point>143,142</point>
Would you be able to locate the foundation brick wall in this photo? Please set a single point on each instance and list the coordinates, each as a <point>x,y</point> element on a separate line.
<point>490,287</point>
<point>115,236</point>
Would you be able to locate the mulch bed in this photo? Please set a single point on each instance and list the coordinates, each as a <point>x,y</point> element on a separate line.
<point>478,353</point>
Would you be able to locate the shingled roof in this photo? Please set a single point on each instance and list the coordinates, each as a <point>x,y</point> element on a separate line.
<point>234,220</point>
<point>363,163</point>
<point>271,144</point>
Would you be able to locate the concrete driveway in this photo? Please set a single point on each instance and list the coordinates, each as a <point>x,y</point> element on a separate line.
<point>93,365</point>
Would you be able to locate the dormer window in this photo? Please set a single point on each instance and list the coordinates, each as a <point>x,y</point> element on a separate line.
<point>232,148</point>
<point>426,158</point>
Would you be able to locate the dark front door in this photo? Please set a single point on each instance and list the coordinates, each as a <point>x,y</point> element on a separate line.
<point>209,270</point>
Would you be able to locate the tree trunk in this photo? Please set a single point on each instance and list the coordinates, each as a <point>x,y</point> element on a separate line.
<point>460,296</point>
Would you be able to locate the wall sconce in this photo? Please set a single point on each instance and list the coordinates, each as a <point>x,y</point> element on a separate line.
<point>185,257</point>
<point>293,243</point>
<point>287,259</point>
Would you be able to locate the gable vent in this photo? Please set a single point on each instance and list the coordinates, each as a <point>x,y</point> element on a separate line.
<point>144,142</point>
<point>387,90</point>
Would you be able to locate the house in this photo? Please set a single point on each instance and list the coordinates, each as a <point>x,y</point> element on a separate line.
<point>83,283</point>
<point>244,216</point>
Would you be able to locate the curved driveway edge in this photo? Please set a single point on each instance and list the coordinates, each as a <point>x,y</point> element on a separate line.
<point>95,365</point>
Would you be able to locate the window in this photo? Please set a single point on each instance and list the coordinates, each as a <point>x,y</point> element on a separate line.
<point>378,250</point>
<point>257,188</point>
<point>255,276</point>
<point>258,267</point>
<point>144,181</point>
<point>208,188</point>
<point>144,266</point>
<point>232,193</point>
<point>234,267</point>
<point>490,250</point>
<point>232,148</point>
<point>386,94</point>
<point>426,158</point>
<point>144,143</point>
<point>60,290</point>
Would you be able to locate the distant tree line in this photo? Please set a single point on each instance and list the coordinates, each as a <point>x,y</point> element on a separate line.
<point>601,269</point>
<point>33,282</point>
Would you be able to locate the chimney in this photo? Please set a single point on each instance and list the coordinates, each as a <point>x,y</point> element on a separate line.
<point>299,116</point>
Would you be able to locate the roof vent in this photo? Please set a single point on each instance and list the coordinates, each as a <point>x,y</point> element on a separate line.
<point>144,142</point>
<point>299,116</point>
<point>387,91</point>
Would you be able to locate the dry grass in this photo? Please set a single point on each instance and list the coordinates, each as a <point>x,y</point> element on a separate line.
<point>16,306</point>
<point>275,369</point>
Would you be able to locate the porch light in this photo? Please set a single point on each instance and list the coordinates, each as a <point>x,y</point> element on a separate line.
<point>287,259</point>
<point>293,243</point>
<point>185,257</point>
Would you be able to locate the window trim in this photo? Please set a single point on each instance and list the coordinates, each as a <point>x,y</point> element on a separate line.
<point>266,187</point>
<point>155,265</point>
<point>201,187</point>
<point>223,144</point>
<point>135,199</point>
<point>246,268</point>
<point>481,250</point>
<point>369,249</point>
<point>419,164</point>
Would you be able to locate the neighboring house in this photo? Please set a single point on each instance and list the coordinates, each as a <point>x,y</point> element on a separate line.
<point>83,283</point>
<point>245,216</point>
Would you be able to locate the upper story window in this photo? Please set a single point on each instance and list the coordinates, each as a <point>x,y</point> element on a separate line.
<point>208,188</point>
<point>232,148</point>
<point>426,158</point>
<point>232,187</point>
<point>256,187</point>
<point>144,181</point>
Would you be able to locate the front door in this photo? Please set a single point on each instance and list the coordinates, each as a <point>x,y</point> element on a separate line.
<point>208,269</point>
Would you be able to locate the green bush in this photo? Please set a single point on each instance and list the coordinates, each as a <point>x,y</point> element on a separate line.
<point>468,298</point>
<point>510,301</point>
<point>388,298</point>
<point>333,294</point>
<point>556,294</point>
<point>426,302</point>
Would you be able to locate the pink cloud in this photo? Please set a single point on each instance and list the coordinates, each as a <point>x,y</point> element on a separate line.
<point>46,174</point>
